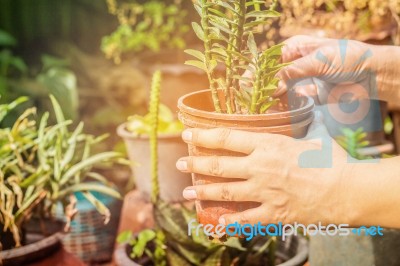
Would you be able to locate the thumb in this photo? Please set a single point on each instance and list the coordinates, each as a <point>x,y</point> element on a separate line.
<point>317,128</point>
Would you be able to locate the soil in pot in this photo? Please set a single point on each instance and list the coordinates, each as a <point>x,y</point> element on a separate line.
<point>291,118</point>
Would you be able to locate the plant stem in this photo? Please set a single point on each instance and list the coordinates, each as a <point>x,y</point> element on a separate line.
<point>238,30</point>
<point>256,88</point>
<point>208,57</point>
<point>153,110</point>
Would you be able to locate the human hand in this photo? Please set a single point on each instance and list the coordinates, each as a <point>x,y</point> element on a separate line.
<point>329,69</point>
<point>276,175</point>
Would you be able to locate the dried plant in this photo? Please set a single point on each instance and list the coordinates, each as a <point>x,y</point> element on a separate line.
<point>42,164</point>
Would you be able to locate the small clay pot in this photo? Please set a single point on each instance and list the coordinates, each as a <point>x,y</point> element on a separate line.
<point>291,118</point>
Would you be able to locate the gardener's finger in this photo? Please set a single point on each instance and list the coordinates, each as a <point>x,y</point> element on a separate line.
<point>229,191</point>
<point>301,45</point>
<point>301,69</point>
<point>223,138</point>
<point>219,166</point>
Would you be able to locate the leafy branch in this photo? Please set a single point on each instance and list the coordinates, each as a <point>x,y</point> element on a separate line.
<point>227,30</point>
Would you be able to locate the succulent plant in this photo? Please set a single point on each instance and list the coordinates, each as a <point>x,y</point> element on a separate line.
<point>227,30</point>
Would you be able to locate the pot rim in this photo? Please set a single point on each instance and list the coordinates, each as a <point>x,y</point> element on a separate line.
<point>125,134</point>
<point>281,128</point>
<point>308,107</point>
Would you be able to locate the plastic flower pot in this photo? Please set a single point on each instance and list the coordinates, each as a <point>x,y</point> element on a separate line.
<point>291,118</point>
<point>170,149</point>
<point>292,252</point>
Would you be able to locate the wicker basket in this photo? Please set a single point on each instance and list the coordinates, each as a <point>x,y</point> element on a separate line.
<point>89,239</point>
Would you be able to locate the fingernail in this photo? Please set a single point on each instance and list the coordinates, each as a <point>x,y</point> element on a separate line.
<point>187,135</point>
<point>221,220</point>
<point>182,165</point>
<point>189,194</point>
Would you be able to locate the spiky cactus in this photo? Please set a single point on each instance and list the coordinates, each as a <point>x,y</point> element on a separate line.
<point>154,110</point>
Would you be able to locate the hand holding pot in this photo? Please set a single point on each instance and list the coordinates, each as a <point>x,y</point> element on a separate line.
<point>328,69</point>
<point>276,174</point>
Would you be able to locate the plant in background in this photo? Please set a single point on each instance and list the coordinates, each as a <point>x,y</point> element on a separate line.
<point>337,15</point>
<point>169,243</point>
<point>142,125</point>
<point>54,77</point>
<point>42,164</point>
<point>153,25</point>
<point>227,29</point>
<point>352,141</point>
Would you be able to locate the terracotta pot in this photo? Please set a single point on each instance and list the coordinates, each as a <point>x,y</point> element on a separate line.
<point>291,118</point>
<point>170,149</point>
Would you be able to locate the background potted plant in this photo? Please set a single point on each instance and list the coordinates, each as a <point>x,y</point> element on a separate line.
<point>364,20</point>
<point>169,242</point>
<point>152,35</point>
<point>227,30</point>
<point>41,165</point>
<point>136,134</point>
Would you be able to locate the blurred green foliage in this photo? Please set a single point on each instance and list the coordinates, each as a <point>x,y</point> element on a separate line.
<point>150,26</point>
<point>37,23</point>
<point>167,123</point>
<point>54,77</point>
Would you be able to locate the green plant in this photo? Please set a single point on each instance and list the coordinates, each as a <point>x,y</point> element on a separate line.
<point>227,29</point>
<point>149,26</point>
<point>142,125</point>
<point>352,141</point>
<point>169,243</point>
<point>43,164</point>
<point>54,77</point>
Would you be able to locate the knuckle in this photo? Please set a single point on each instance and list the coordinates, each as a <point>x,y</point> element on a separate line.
<point>216,168</point>
<point>200,192</point>
<point>243,218</point>
<point>226,193</point>
<point>223,136</point>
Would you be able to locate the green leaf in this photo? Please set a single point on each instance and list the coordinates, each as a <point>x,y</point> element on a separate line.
<point>124,237</point>
<point>197,64</point>
<point>251,43</point>
<point>268,105</point>
<point>100,207</point>
<point>199,55</point>
<point>252,3</point>
<point>89,162</point>
<point>221,27</point>
<point>198,30</point>
<point>57,109</point>
<point>7,39</point>
<point>90,187</point>
<point>215,258</point>
<point>174,258</point>
<point>263,14</point>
